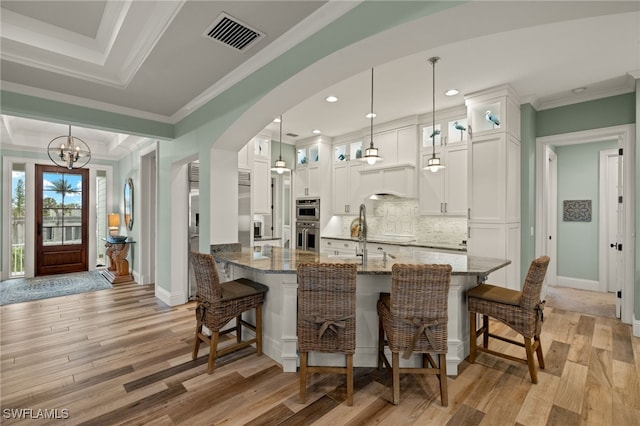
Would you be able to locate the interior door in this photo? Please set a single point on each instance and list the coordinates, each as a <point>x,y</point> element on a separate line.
<point>612,210</point>
<point>62,201</point>
<point>551,185</point>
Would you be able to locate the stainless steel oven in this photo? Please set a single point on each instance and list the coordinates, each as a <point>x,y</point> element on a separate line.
<point>308,209</point>
<point>308,236</point>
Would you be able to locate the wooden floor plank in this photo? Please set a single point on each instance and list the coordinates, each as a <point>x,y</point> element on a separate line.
<point>131,364</point>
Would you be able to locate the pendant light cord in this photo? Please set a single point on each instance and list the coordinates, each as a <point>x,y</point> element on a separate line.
<point>433,130</point>
<point>371,107</point>
<point>280,156</point>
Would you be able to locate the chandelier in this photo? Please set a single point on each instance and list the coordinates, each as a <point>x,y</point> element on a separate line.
<point>71,152</point>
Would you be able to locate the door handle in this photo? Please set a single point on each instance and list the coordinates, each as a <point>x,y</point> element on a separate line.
<point>613,245</point>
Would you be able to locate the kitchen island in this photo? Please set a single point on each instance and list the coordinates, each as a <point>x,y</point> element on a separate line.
<point>277,267</point>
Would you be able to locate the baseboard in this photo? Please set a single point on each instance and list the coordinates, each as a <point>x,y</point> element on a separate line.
<point>578,283</point>
<point>636,326</point>
<point>171,299</point>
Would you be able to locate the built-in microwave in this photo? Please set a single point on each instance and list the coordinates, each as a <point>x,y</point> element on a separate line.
<point>308,209</point>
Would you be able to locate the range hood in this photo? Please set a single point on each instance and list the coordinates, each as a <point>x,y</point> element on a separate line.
<point>384,196</point>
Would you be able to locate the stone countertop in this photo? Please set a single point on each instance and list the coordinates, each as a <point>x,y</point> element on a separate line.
<point>403,242</point>
<point>280,260</point>
<point>266,238</point>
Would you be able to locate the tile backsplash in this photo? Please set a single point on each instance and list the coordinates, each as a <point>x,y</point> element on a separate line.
<point>401,217</point>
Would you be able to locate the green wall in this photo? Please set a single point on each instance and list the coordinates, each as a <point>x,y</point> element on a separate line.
<point>578,179</point>
<point>600,113</point>
<point>605,112</point>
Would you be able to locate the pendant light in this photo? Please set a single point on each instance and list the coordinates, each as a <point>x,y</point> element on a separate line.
<point>72,153</point>
<point>371,154</point>
<point>280,165</point>
<point>434,164</point>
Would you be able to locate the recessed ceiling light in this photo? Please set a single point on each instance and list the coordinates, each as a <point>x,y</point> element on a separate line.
<point>331,99</point>
<point>579,90</point>
<point>452,92</point>
<point>370,115</point>
<point>316,132</point>
<point>276,120</point>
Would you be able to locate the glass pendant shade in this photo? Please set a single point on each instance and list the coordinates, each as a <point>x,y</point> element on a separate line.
<point>433,164</point>
<point>371,155</point>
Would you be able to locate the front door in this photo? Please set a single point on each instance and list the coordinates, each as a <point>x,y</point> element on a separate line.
<point>62,200</point>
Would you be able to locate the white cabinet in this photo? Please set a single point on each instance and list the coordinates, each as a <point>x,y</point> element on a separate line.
<point>256,156</point>
<point>347,194</point>
<point>445,192</point>
<point>313,166</point>
<point>494,180</point>
<point>346,177</point>
<point>307,173</point>
<point>330,246</point>
<point>261,187</point>
<point>397,180</point>
<point>307,181</point>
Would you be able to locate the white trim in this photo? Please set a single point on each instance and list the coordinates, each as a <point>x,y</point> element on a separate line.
<point>148,211</point>
<point>579,283</point>
<point>625,135</point>
<point>179,233</point>
<point>636,326</point>
<point>171,299</point>
<point>29,243</point>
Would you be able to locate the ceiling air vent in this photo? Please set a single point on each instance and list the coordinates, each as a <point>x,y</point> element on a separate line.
<point>292,135</point>
<point>232,32</point>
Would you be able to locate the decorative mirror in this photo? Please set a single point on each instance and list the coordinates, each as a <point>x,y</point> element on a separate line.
<point>128,204</point>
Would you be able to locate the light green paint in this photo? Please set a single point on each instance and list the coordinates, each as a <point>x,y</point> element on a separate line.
<point>596,114</point>
<point>578,242</point>
<point>48,110</point>
<point>527,187</point>
<point>288,153</point>
<point>637,221</point>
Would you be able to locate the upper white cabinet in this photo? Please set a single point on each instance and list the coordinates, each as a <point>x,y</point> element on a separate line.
<point>346,192</point>
<point>396,145</point>
<point>312,165</point>
<point>261,187</point>
<point>397,180</point>
<point>260,159</point>
<point>445,191</point>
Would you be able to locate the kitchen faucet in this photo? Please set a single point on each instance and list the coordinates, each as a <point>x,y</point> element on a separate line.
<point>362,233</point>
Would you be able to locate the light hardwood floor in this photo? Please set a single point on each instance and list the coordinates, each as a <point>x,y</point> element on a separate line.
<point>119,356</point>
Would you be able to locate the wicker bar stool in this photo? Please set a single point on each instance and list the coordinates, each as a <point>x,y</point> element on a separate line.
<point>414,318</point>
<point>520,310</point>
<point>326,318</point>
<point>219,303</point>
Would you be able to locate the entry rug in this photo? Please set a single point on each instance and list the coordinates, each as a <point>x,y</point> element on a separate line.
<point>25,289</point>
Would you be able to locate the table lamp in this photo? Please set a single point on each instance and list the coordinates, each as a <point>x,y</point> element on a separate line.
<point>114,223</point>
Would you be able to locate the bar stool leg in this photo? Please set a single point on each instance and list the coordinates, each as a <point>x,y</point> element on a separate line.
<point>395,366</point>
<point>473,337</point>
<point>349,380</point>
<point>303,376</point>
